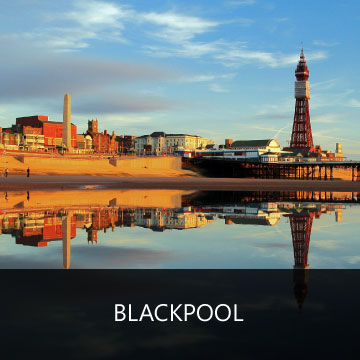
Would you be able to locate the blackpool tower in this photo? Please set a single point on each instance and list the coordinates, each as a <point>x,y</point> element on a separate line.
<point>301,137</point>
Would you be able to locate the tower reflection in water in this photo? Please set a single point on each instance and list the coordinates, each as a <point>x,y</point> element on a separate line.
<point>301,224</point>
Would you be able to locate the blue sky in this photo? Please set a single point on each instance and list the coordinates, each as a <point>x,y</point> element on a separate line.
<point>220,69</point>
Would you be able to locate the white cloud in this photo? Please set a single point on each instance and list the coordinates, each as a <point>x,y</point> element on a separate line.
<point>103,20</point>
<point>92,13</point>
<point>206,78</point>
<point>276,132</point>
<point>354,103</point>
<point>178,28</point>
<point>245,22</point>
<point>242,2</point>
<point>326,119</point>
<point>61,40</point>
<point>287,60</point>
<point>320,135</point>
<point>187,50</point>
<point>325,85</point>
<point>130,119</point>
<point>230,54</point>
<point>176,34</point>
<point>325,43</point>
<point>241,55</point>
<point>327,245</point>
<point>218,88</point>
<point>73,30</point>
<point>352,259</point>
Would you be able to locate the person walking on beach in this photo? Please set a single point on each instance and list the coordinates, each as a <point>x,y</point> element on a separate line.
<point>6,172</point>
<point>28,172</point>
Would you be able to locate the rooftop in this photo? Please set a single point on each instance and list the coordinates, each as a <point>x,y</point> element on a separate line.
<point>252,143</point>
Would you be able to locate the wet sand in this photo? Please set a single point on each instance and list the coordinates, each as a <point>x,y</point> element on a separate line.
<point>42,200</point>
<point>21,182</point>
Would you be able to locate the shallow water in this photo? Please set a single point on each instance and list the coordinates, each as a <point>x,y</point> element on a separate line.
<point>196,230</point>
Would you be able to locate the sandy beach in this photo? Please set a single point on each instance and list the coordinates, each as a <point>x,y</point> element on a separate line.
<point>21,182</point>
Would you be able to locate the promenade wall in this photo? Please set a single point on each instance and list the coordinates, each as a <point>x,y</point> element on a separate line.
<point>67,165</point>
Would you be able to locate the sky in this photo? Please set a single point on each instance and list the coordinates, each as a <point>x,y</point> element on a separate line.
<point>219,69</point>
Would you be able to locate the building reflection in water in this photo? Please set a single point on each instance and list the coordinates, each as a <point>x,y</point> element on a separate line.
<point>40,227</point>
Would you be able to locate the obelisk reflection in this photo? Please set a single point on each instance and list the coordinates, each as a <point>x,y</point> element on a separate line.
<point>66,239</point>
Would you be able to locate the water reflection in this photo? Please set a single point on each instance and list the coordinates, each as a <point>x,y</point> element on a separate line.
<point>38,219</point>
<point>32,225</point>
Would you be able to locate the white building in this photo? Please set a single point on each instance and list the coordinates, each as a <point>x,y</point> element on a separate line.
<point>159,142</point>
<point>185,142</point>
<point>153,144</point>
<point>162,219</point>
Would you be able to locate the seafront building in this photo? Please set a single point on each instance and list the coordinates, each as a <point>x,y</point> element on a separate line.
<point>126,144</point>
<point>38,133</point>
<point>183,141</point>
<point>153,144</point>
<point>84,143</point>
<point>162,219</point>
<point>160,142</point>
<point>102,142</point>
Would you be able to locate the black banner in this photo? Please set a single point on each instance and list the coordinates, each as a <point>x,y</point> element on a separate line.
<point>292,313</point>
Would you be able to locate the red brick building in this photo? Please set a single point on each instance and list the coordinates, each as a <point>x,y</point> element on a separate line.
<point>40,125</point>
<point>126,144</point>
<point>102,142</point>
<point>39,236</point>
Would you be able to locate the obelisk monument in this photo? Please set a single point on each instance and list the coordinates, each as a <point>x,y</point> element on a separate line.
<point>67,122</point>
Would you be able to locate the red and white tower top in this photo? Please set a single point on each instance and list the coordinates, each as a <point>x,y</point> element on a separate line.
<point>302,85</point>
<point>302,71</point>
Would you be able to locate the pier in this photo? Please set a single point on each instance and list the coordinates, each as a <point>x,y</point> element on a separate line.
<point>320,170</point>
